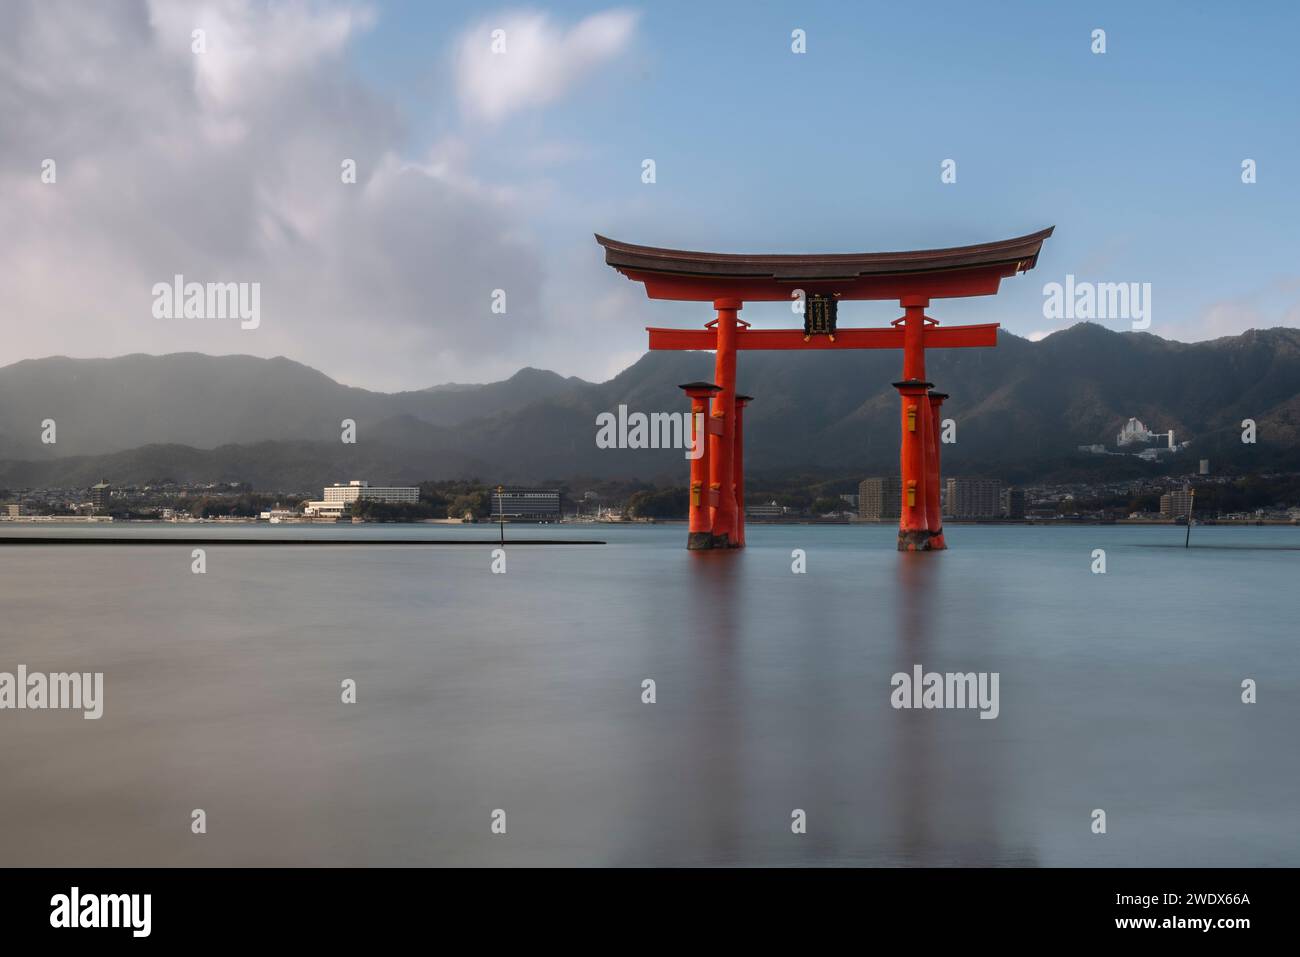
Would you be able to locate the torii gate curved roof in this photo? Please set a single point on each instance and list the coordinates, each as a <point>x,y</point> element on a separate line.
<point>938,273</point>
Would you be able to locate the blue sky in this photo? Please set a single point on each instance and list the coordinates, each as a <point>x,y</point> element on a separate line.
<point>1134,155</point>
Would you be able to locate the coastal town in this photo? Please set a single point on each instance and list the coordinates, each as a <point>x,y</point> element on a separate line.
<point>1272,499</point>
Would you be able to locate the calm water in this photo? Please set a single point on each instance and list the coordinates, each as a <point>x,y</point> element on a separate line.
<point>522,692</point>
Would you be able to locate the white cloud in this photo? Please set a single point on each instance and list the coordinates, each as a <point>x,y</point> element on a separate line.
<point>225,166</point>
<point>540,61</point>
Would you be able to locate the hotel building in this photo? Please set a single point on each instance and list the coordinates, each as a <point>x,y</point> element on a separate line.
<point>337,499</point>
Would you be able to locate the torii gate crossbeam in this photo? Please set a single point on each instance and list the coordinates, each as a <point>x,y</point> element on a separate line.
<point>727,280</point>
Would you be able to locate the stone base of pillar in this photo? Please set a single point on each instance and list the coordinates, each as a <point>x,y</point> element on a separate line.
<point>699,541</point>
<point>704,541</point>
<point>936,540</point>
<point>914,540</point>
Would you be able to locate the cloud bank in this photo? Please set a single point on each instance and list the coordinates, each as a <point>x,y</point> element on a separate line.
<point>229,164</point>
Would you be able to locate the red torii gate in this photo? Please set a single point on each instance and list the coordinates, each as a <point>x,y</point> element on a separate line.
<point>717,517</point>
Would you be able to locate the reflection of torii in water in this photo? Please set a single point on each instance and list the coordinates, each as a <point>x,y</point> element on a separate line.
<point>820,281</point>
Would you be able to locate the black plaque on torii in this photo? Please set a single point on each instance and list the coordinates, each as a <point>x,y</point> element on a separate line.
<point>819,315</point>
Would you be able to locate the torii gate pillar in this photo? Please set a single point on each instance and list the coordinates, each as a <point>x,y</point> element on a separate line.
<point>913,525</point>
<point>933,507</point>
<point>722,473</point>
<point>702,498</point>
<point>738,467</point>
<point>918,524</point>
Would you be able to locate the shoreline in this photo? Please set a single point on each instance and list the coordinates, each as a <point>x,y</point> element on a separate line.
<point>964,523</point>
<point>30,540</point>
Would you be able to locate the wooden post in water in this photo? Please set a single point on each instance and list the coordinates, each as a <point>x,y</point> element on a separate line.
<point>1191,505</point>
<point>501,511</point>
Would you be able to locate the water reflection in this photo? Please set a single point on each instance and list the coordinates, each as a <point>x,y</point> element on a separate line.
<point>715,753</point>
<point>950,764</point>
<point>911,731</point>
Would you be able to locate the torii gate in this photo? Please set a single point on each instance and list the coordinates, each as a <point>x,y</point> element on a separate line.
<point>717,516</point>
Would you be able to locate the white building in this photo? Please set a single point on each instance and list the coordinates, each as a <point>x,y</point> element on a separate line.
<point>337,499</point>
<point>1134,431</point>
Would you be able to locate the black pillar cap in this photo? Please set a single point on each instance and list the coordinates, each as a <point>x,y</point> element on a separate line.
<point>938,395</point>
<point>914,384</point>
<point>700,385</point>
<point>744,398</point>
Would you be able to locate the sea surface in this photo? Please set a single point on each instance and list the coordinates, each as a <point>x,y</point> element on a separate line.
<point>522,692</point>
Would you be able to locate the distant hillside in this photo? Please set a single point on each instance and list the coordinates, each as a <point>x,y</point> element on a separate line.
<point>1020,409</point>
<point>268,466</point>
<point>108,405</point>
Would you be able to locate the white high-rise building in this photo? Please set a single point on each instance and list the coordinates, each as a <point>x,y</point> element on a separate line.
<point>338,499</point>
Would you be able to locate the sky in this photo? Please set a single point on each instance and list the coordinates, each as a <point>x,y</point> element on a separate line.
<point>479,171</point>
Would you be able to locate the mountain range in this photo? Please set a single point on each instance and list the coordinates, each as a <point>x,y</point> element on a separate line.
<point>1021,409</point>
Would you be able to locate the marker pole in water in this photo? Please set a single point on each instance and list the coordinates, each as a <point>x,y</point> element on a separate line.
<point>1191,503</point>
<point>501,511</point>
